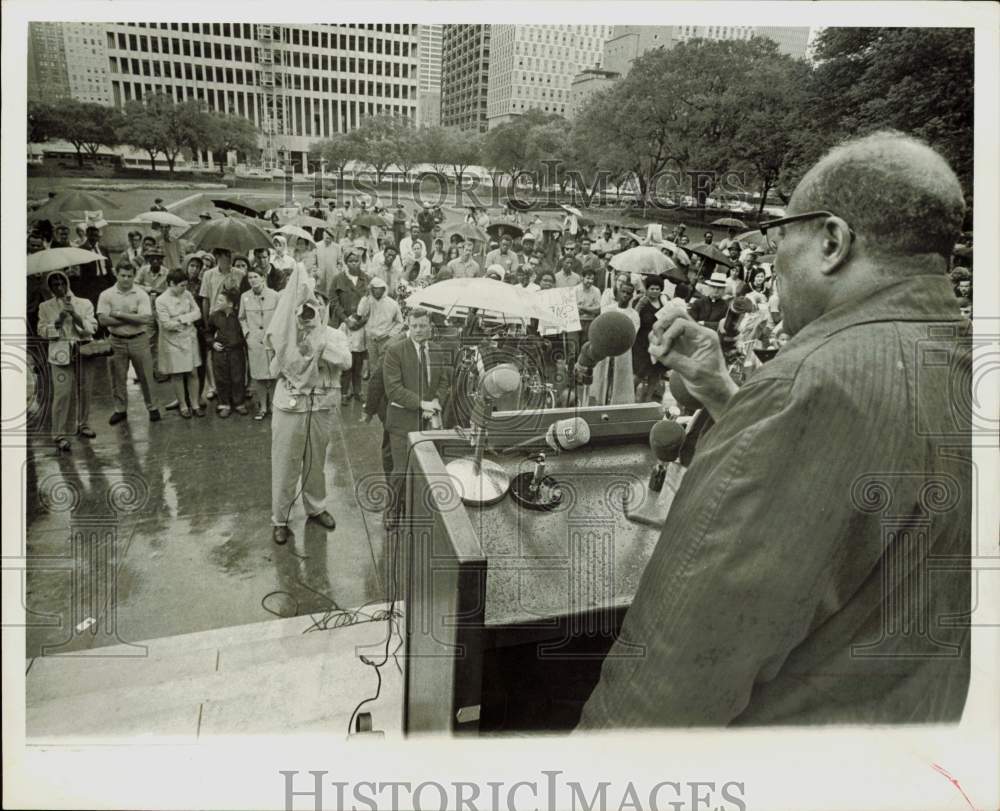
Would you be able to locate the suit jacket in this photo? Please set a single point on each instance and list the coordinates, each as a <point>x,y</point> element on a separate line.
<point>814,567</point>
<point>404,390</point>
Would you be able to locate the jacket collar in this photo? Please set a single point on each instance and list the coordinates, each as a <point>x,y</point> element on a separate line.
<point>918,298</point>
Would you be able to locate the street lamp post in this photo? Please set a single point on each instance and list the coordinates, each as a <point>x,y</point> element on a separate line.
<point>286,162</point>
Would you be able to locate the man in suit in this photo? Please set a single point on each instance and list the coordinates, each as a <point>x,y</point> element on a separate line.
<point>415,375</point>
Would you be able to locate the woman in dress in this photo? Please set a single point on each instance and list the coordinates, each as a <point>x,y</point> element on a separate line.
<point>613,377</point>
<point>176,314</point>
<point>257,307</point>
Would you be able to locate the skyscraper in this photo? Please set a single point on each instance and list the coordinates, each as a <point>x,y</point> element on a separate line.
<point>532,66</point>
<point>297,83</point>
<point>429,75</point>
<point>48,78</point>
<point>465,58</point>
<point>87,61</point>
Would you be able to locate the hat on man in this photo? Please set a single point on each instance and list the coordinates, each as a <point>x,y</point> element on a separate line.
<point>497,270</point>
<point>156,250</point>
<point>528,237</point>
<point>717,279</point>
<point>377,282</point>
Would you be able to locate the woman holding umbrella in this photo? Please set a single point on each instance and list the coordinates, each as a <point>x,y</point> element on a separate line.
<point>67,321</point>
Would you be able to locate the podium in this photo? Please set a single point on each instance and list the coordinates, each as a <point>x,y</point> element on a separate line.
<point>510,612</point>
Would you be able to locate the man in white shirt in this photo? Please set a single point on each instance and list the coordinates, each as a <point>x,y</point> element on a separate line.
<point>465,266</point>
<point>406,243</point>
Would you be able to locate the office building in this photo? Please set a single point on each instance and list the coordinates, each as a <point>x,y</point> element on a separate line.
<point>585,84</point>
<point>631,41</point>
<point>297,83</point>
<point>429,75</point>
<point>465,59</point>
<point>532,66</point>
<point>48,79</point>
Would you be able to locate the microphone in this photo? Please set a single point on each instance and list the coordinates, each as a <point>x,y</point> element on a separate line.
<point>665,440</point>
<point>563,435</point>
<point>500,381</point>
<point>611,334</point>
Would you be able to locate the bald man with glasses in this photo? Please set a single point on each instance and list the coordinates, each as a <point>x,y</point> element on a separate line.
<point>815,566</point>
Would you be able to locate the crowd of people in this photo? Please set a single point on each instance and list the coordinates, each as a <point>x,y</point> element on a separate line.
<point>198,319</point>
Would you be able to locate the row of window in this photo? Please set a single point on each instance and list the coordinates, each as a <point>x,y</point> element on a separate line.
<point>246,30</point>
<point>236,76</point>
<point>241,53</point>
<point>316,118</point>
<point>153,67</point>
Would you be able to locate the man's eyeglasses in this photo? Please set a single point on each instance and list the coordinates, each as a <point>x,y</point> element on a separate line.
<point>783,221</point>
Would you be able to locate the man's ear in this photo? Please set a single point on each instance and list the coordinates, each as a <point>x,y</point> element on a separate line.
<point>838,238</point>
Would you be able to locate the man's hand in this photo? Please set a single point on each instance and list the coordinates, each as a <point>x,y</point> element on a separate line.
<point>218,347</point>
<point>693,352</point>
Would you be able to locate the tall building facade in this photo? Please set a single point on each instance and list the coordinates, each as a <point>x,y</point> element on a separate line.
<point>48,77</point>
<point>87,61</point>
<point>585,84</point>
<point>532,66</point>
<point>429,75</point>
<point>792,41</point>
<point>465,60</point>
<point>296,83</point>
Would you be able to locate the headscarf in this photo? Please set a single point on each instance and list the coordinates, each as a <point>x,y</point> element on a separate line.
<point>52,274</point>
<point>283,335</point>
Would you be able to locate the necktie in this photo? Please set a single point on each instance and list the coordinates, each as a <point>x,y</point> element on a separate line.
<point>424,370</point>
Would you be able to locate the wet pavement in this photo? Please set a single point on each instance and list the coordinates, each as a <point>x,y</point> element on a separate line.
<point>157,529</point>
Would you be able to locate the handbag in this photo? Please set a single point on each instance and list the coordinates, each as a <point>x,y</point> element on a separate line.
<point>97,348</point>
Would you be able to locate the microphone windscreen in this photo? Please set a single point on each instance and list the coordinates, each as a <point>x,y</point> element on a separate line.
<point>681,394</point>
<point>568,434</point>
<point>611,334</point>
<point>665,440</point>
<point>500,381</point>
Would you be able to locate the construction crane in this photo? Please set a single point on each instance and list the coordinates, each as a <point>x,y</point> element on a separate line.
<point>270,98</point>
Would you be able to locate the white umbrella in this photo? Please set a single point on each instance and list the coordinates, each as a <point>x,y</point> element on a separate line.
<point>644,260</point>
<point>295,231</point>
<point>161,217</point>
<point>574,211</point>
<point>59,258</point>
<point>479,294</point>
<point>679,254</point>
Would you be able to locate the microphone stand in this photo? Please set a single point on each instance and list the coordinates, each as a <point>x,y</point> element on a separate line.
<point>479,482</point>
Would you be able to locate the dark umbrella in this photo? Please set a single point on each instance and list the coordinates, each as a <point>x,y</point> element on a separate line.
<point>520,205</point>
<point>469,231</point>
<point>710,254</point>
<point>729,222</point>
<point>231,233</point>
<point>242,206</point>
<point>498,229</point>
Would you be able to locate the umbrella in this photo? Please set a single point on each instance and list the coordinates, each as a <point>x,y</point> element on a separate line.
<point>520,205</point>
<point>711,254</point>
<point>307,221</point>
<point>368,220</point>
<point>626,235</point>
<point>571,210</point>
<point>230,233</point>
<point>755,238</point>
<point>59,258</point>
<point>480,294</point>
<point>644,260</point>
<point>75,201</point>
<point>498,229</point>
<point>729,222</point>
<point>162,217</point>
<point>295,231</point>
<point>679,254</point>
<point>248,206</point>
<point>469,231</point>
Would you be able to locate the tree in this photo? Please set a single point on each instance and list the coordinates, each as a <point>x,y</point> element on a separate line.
<point>433,147</point>
<point>465,148</point>
<point>188,125</point>
<point>376,143</point>
<point>869,79</point>
<point>407,144</point>
<point>550,151</point>
<point>338,150</point>
<point>144,129</point>
<point>87,126</point>
<point>232,133</point>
